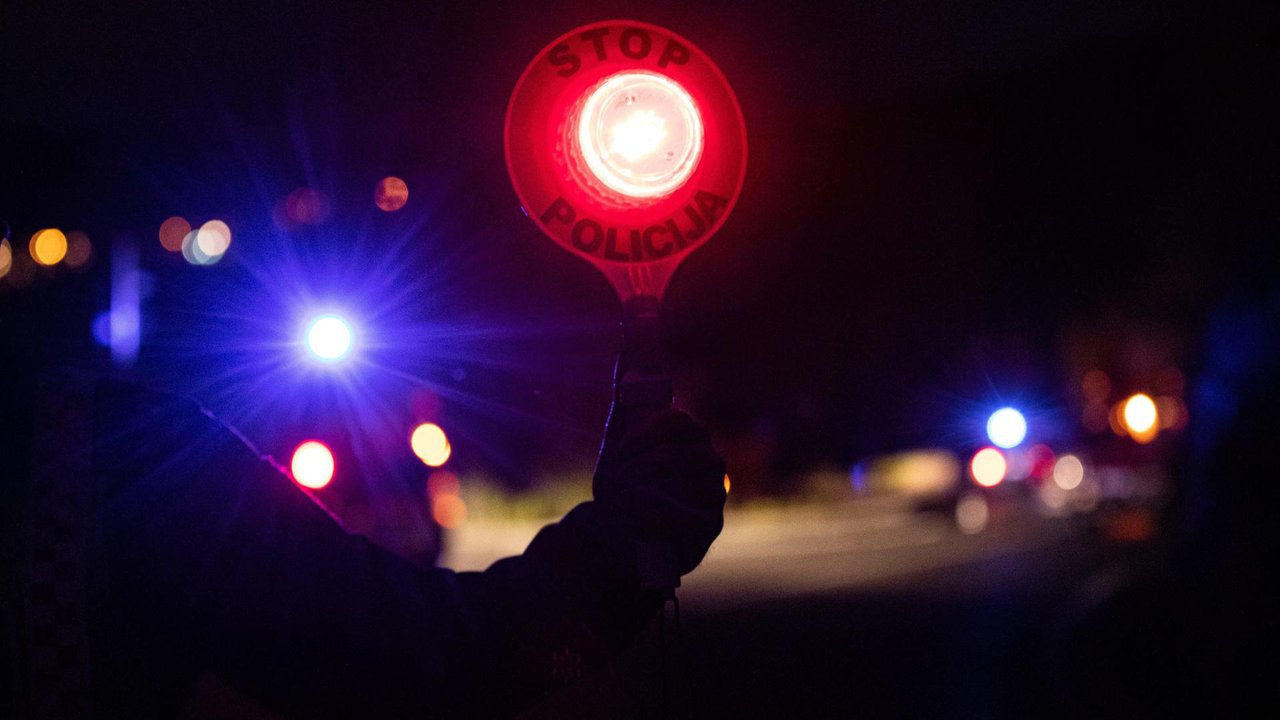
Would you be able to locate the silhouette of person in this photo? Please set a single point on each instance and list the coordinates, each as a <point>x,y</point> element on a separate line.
<point>154,547</point>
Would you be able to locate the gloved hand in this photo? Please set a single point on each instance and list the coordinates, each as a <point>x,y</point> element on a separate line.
<point>662,481</point>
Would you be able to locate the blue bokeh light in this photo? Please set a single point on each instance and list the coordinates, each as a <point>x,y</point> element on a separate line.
<point>1007,428</point>
<point>329,338</point>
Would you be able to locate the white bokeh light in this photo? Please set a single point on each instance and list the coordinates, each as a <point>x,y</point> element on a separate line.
<point>972,513</point>
<point>430,444</point>
<point>329,338</point>
<point>1068,472</point>
<point>1007,428</point>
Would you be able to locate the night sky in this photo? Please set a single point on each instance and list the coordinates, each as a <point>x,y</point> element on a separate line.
<point>946,207</point>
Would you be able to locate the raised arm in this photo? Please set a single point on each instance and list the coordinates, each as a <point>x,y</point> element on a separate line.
<point>213,561</point>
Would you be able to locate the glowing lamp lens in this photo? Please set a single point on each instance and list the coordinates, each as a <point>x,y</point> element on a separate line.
<point>640,134</point>
<point>329,338</point>
<point>312,465</point>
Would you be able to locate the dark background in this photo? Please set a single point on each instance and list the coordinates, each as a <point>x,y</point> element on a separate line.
<point>948,208</point>
<point>941,202</point>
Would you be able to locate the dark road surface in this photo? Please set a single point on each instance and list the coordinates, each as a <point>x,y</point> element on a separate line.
<point>872,613</point>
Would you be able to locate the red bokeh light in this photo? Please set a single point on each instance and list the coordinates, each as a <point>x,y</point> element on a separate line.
<point>312,465</point>
<point>443,482</point>
<point>172,231</point>
<point>988,467</point>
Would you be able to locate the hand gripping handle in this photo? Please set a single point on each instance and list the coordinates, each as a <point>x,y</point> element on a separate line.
<point>644,390</point>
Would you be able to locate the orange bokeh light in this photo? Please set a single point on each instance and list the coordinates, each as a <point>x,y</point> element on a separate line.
<point>1141,418</point>
<point>48,246</point>
<point>1140,413</point>
<point>449,511</point>
<point>391,194</point>
<point>6,258</point>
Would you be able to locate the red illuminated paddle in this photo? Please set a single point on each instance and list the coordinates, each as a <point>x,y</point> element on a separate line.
<point>626,146</point>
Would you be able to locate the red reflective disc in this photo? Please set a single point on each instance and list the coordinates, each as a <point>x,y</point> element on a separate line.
<point>626,146</point>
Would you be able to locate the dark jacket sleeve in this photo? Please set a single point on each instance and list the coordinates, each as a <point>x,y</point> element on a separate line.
<point>211,560</point>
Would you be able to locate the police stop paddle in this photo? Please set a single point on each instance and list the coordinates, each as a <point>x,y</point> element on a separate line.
<point>627,147</point>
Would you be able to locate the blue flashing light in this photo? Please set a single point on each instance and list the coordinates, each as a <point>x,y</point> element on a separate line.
<point>1006,428</point>
<point>329,338</point>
